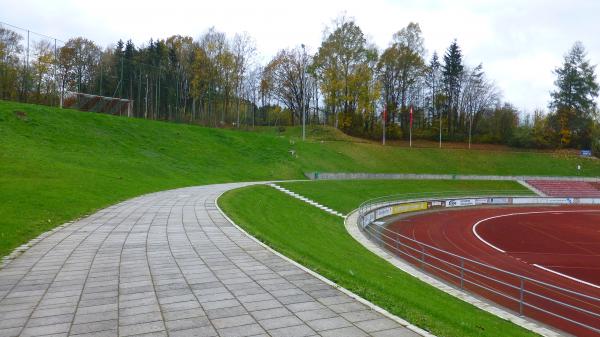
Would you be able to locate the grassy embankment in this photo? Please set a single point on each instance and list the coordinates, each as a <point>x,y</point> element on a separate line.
<point>319,241</point>
<point>57,165</point>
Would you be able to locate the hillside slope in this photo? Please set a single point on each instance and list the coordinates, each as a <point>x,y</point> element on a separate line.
<point>57,164</point>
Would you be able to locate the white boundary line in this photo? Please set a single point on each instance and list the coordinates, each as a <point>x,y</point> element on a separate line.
<point>374,307</point>
<point>536,265</point>
<point>531,188</point>
<point>353,228</point>
<point>567,276</point>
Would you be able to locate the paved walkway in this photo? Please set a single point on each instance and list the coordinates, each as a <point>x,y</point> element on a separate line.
<point>169,264</point>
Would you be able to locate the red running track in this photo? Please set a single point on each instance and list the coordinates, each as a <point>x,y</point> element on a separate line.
<point>558,245</point>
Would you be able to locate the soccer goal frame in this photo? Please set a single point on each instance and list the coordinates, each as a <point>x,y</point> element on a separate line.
<point>97,103</point>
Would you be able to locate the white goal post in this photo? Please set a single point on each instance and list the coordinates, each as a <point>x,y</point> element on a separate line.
<point>96,103</point>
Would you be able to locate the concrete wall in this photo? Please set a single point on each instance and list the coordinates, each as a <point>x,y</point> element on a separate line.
<point>409,176</point>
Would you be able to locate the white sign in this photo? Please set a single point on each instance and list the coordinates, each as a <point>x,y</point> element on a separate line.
<point>481,201</point>
<point>383,212</point>
<point>460,202</point>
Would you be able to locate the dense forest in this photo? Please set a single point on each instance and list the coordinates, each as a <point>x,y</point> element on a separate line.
<point>349,83</point>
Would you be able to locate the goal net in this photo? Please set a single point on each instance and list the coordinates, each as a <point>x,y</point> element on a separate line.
<point>95,103</point>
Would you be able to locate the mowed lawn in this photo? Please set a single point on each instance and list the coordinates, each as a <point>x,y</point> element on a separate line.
<point>319,241</point>
<point>346,195</point>
<point>57,165</point>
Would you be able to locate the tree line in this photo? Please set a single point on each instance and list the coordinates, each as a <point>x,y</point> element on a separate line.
<point>347,82</point>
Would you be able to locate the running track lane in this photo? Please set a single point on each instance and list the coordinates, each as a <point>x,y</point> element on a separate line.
<point>558,239</point>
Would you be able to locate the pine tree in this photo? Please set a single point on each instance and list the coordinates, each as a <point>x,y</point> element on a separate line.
<point>574,100</point>
<point>452,71</point>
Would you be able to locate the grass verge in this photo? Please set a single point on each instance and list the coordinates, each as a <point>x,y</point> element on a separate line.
<point>319,241</point>
<point>346,195</point>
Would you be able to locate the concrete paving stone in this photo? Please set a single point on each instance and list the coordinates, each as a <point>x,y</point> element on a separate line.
<point>305,306</point>
<point>376,324</point>
<point>336,299</point>
<point>98,301</point>
<point>153,334</point>
<point>53,311</point>
<point>136,296</point>
<point>343,332</point>
<point>67,318</point>
<point>150,300</point>
<point>287,292</point>
<point>101,294</point>
<point>96,317</point>
<point>93,327</point>
<point>105,333</point>
<point>241,331</point>
<point>295,299</point>
<point>220,304</point>
<point>175,299</point>
<point>139,289</point>
<point>321,293</point>
<point>136,329</point>
<point>186,313</point>
<point>264,296</point>
<point>292,331</point>
<point>397,332</point>
<point>261,305</point>
<point>328,323</point>
<point>173,292</point>
<point>228,322</point>
<point>10,332</point>
<point>363,315</point>
<point>45,330</point>
<point>214,297</point>
<point>141,318</point>
<point>226,312</point>
<point>311,315</point>
<point>280,322</point>
<point>138,310</point>
<point>97,308</point>
<point>347,307</point>
<point>205,331</point>
<point>187,323</point>
<point>270,313</point>
<point>248,291</point>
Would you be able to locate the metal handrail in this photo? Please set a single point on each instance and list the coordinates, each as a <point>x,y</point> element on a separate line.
<point>462,268</point>
<point>386,201</point>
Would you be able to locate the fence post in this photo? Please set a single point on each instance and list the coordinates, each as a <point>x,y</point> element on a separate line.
<point>422,257</point>
<point>462,272</point>
<point>521,296</point>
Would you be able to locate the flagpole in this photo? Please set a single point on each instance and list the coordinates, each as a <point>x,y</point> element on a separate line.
<point>411,124</point>
<point>383,120</point>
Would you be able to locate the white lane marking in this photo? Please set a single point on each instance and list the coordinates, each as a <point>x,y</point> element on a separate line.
<point>567,276</point>
<point>537,212</point>
<point>307,200</point>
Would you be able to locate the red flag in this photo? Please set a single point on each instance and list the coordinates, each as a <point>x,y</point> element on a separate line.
<point>411,116</point>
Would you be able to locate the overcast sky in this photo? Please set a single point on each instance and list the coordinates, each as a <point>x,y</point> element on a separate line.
<point>519,42</point>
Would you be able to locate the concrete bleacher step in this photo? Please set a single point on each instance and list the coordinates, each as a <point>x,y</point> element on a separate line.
<point>561,188</point>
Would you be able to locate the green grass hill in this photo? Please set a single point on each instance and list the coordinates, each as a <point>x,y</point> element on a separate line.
<point>57,165</point>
